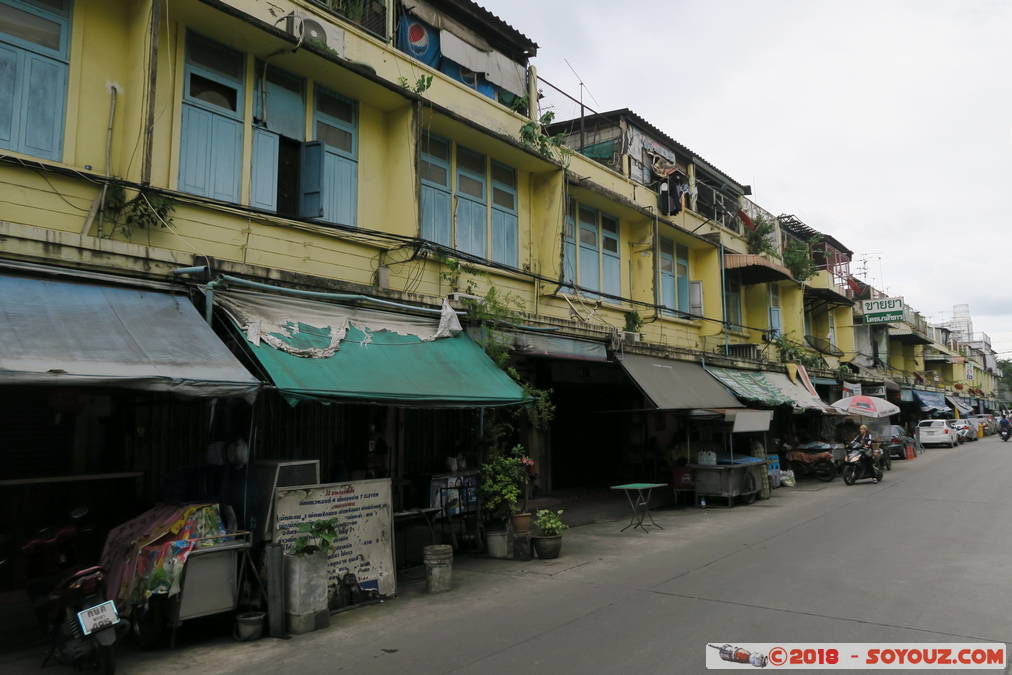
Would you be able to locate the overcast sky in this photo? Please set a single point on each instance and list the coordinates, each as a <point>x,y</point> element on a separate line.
<point>886,124</point>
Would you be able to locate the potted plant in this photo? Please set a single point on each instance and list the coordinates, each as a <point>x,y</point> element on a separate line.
<point>549,543</point>
<point>306,577</point>
<point>501,478</point>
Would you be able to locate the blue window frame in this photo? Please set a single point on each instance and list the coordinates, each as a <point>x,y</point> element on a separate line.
<point>504,214</point>
<point>34,47</point>
<point>468,202</point>
<point>210,162</point>
<point>471,215</point>
<point>591,258</point>
<point>569,247</point>
<point>776,325</point>
<point>279,127</point>
<point>435,173</point>
<point>336,127</point>
<point>673,277</point>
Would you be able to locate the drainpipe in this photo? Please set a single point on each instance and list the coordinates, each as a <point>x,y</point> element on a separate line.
<point>209,299</point>
<point>149,121</point>
<point>723,297</point>
<point>657,266</point>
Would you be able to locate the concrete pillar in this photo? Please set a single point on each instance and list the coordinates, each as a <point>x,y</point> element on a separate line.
<point>693,192</point>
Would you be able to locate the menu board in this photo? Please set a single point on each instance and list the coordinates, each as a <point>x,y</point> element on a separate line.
<point>364,545</point>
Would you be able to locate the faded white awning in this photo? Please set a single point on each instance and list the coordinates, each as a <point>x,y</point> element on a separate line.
<point>64,332</point>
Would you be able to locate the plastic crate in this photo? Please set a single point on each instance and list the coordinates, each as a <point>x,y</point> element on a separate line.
<point>774,464</point>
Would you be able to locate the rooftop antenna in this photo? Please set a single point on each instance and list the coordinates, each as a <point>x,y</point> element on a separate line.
<point>582,87</point>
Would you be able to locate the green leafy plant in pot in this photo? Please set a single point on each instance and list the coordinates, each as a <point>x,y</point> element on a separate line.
<point>501,480</point>
<point>306,576</point>
<point>548,544</point>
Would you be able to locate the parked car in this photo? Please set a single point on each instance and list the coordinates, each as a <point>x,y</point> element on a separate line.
<point>966,429</point>
<point>895,442</point>
<point>990,425</point>
<point>937,432</point>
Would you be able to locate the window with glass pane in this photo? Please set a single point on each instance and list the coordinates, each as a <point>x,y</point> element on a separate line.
<point>336,122</point>
<point>33,77</point>
<point>734,303</point>
<point>434,171</point>
<point>471,173</point>
<point>30,27</point>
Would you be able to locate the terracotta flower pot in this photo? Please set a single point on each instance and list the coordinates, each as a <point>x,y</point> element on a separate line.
<point>521,522</point>
<point>548,547</point>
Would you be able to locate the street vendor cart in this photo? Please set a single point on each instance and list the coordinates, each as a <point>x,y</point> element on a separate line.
<point>174,563</point>
<point>742,478</point>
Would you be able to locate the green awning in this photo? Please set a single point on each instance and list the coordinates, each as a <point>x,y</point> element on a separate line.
<point>365,356</point>
<point>750,385</point>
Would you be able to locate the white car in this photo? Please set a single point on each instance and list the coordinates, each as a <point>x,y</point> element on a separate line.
<point>937,432</point>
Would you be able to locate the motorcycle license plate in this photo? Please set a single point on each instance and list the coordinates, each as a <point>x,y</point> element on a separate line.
<point>98,617</point>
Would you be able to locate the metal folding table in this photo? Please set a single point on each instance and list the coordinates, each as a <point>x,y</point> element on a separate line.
<point>640,504</point>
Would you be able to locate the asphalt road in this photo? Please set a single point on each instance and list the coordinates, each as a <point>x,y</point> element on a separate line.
<point>921,557</point>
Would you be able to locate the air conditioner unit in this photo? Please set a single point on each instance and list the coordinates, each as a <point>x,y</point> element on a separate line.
<point>315,30</point>
<point>273,474</point>
<point>630,336</point>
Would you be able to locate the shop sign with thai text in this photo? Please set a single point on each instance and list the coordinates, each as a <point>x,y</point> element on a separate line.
<point>882,310</point>
<point>364,521</point>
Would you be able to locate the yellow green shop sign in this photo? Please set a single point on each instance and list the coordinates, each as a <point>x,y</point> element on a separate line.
<point>882,310</point>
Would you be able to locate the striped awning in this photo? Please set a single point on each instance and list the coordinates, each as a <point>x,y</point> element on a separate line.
<point>755,269</point>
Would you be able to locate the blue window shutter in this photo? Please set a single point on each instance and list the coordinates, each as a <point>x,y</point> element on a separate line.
<point>226,158</point>
<point>775,324</point>
<point>569,262</point>
<point>436,216</point>
<point>682,273</point>
<point>10,97</point>
<point>589,276</point>
<point>311,177</point>
<point>339,192</point>
<point>612,271</point>
<point>668,290</point>
<point>504,237</point>
<point>471,227</point>
<point>194,155</point>
<point>44,97</point>
<point>264,188</point>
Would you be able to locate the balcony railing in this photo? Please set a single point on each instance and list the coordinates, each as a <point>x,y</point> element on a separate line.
<point>717,207</point>
<point>369,14</point>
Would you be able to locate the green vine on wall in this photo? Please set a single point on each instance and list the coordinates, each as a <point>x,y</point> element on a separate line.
<point>146,211</point>
<point>534,135</point>
<point>420,85</point>
<point>791,352</point>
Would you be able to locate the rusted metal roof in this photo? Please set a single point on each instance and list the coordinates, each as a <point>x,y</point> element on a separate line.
<point>755,269</point>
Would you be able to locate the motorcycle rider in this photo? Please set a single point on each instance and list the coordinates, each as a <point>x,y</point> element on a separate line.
<point>863,440</point>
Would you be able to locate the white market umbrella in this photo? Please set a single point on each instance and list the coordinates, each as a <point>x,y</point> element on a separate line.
<point>866,406</point>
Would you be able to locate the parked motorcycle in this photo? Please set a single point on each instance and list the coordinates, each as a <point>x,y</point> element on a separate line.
<point>81,624</point>
<point>818,463</point>
<point>861,463</point>
<point>69,595</point>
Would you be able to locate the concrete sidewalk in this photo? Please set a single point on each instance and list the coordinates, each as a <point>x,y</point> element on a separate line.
<point>599,564</point>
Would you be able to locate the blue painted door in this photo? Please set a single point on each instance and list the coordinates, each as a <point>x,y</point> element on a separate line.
<point>436,215</point>
<point>264,188</point>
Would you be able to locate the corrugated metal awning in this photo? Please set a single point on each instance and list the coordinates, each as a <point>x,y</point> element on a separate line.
<point>750,385</point>
<point>802,398</point>
<point>755,269</point>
